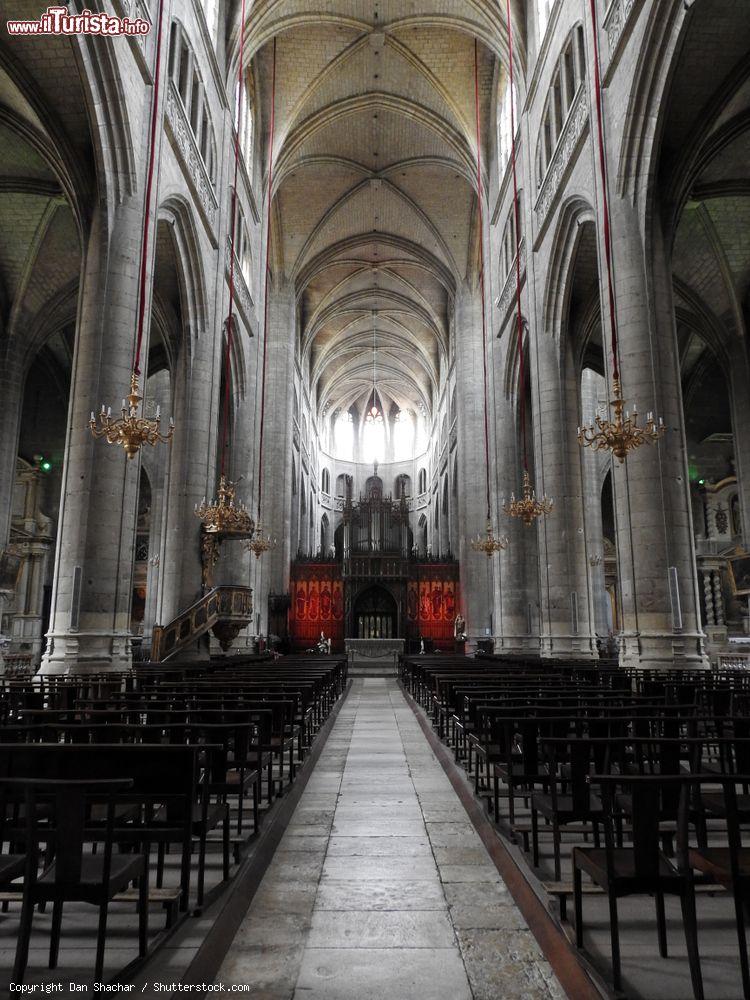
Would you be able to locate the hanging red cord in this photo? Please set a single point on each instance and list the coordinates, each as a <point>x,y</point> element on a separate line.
<point>481,275</point>
<point>517,219</point>
<point>606,228</point>
<point>143,276</point>
<point>265,292</point>
<point>232,233</point>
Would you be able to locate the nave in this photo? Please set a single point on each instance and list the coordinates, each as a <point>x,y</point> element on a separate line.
<point>381,887</point>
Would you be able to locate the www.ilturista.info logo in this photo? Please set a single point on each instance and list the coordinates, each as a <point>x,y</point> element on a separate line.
<point>59,21</point>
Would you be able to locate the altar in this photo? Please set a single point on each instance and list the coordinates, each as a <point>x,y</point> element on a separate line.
<point>373,656</point>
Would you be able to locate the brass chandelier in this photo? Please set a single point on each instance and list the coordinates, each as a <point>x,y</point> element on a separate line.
<point>527,506</point>
<point>621,434</point>
<point>224,515</point>
<point>488,543</point>
<point>260,542</point>
<point>130,430</point>
<point>618,433</point>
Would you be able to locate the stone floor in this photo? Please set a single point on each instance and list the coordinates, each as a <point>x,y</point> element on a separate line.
<point>380,886</point>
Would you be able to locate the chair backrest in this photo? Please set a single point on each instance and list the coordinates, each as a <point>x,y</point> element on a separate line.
<point>57,813</point>
<point>734,835</point>
<point>641,798</point>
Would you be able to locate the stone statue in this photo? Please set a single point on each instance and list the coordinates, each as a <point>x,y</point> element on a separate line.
<point>459,627</point>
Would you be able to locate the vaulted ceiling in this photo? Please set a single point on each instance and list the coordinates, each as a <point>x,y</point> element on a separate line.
<point>375,215</point>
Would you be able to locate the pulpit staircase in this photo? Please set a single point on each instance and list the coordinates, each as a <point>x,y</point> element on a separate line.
<point>225,610</point>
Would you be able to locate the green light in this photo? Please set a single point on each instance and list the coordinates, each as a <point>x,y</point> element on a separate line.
<point>45,465</point>
<point>701,482</point>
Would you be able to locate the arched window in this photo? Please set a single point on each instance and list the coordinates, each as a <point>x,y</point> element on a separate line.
<point>343,436</point>
<point>189,86</point>
<point>242,246</point>
<point>325,535</point>
<point>508,253</point>
<point>504,137</point>
<point>403,486</point>
<point>374,488</point>
<point>403,436</point>
<point>325,481</point>
<point>566,82</point>
<point>243,120</point>
<point>421,442</point>
<point>373,436</point>
<point>422,536</point>
<point>422,481</point>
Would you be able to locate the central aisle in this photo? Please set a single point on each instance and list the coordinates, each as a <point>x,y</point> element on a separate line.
<point>380,886</point>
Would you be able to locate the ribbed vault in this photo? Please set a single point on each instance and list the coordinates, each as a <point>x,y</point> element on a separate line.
<point>375,182</point>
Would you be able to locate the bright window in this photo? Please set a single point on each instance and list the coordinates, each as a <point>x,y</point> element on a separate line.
<point>243,119</point>
<point>373,439</point>
<point>403,436</point>
<point>343,435</point>
<point>543,8</point>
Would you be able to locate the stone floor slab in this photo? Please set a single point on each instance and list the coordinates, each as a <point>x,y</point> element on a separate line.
<point>380,929</point>
<point>372,974</point>
<point>380,886</point>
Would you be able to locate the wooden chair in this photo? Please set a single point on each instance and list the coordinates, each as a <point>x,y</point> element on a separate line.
<point>641,867</point>
<point>570,798</point>
<point>730,866</point>
<point>70,874</point>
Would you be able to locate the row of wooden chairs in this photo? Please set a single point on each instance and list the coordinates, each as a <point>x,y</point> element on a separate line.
<point>653,767</point>
<point>102,778</point>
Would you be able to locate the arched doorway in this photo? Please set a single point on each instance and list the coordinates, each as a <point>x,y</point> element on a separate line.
<point>376,614</point>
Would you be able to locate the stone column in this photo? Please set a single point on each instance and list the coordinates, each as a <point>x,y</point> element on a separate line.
<point>566,620</point>
<point>516,596</point>
<point>594,469</point>
<point>192,469</point>
<point>655,545</point>
<point>157,469</point>
<point>476,578</point>
<point>92,581</point>
<point>237,563</point>
<point>277,458</point>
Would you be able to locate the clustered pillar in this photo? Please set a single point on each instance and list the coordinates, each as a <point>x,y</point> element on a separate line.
<point>92,586</point>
